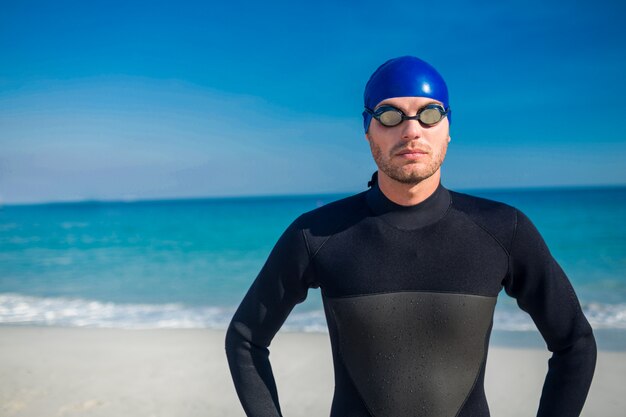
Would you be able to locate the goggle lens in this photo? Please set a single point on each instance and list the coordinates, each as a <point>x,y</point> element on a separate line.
<point>430,116</point>
<point>390,117</point>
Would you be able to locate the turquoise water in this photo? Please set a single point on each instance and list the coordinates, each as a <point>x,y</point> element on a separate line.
<point>188,263</point>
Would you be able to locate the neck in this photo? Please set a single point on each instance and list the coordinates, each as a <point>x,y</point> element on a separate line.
<point>408,194</point>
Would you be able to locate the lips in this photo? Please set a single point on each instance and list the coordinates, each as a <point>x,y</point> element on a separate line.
<point>412,152</point>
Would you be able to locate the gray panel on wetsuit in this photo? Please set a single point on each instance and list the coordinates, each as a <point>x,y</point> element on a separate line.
<point>413,354</point>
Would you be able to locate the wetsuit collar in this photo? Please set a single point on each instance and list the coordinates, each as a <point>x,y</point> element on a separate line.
<point>419,215</point>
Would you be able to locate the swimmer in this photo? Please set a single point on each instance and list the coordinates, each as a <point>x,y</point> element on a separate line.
<point>409,273</point>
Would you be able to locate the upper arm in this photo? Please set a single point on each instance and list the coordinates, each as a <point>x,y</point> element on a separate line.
<point>282,282</point>
<point>542,288</point>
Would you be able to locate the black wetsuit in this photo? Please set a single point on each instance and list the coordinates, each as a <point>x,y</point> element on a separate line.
<point>409,295</point>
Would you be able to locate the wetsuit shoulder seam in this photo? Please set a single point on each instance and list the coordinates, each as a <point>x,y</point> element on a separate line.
<point>306,244</point>
<point>514,232</point>
<point>510,257</point>
<point>488,232</point>
<point>312,281</point>
<point>460,210</point>
<point>339,225</point>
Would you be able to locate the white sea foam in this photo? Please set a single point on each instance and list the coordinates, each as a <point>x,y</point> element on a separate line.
<point>606,316</point>
<point>20,309</point>
<point>17,309</point>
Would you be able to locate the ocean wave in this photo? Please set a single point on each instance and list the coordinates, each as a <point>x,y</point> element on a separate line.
<point>18,309</point>
<point>21,309</point>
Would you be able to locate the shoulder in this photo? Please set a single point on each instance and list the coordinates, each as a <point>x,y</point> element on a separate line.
<point>480,206</point>
<point>497,218</point>
<point>334,212</point>
<point>324,221</point>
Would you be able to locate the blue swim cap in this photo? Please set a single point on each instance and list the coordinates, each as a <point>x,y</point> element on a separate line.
<point>406,76</point>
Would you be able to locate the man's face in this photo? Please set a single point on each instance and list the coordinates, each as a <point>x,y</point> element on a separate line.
<point>390,145</point>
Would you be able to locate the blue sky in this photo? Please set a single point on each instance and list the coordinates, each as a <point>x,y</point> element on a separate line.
<point>131,100</point>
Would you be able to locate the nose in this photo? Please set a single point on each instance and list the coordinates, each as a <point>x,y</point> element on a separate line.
<point>411,129</point>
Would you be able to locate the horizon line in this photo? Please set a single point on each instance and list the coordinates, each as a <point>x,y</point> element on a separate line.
<point>297,196</point>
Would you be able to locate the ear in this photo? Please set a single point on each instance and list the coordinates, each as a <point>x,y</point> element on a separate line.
<point>449,139</point>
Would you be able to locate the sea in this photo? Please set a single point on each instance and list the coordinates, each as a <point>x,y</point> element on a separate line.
<point>188,263</point>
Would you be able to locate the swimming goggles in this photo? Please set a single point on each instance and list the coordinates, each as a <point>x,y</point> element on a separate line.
<point>390,116</point>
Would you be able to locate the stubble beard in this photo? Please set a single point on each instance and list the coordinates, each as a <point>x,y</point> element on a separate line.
<point>398,171</point>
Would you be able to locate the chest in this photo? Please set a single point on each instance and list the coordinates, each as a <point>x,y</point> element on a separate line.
<point>376,257</point>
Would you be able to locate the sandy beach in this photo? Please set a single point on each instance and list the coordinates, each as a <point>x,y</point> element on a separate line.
<point>48,371</point>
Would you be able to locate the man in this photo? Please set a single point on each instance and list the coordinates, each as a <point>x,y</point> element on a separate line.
<point>409,273</point>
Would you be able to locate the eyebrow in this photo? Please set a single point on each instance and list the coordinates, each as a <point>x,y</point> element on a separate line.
<point>403,110</point>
